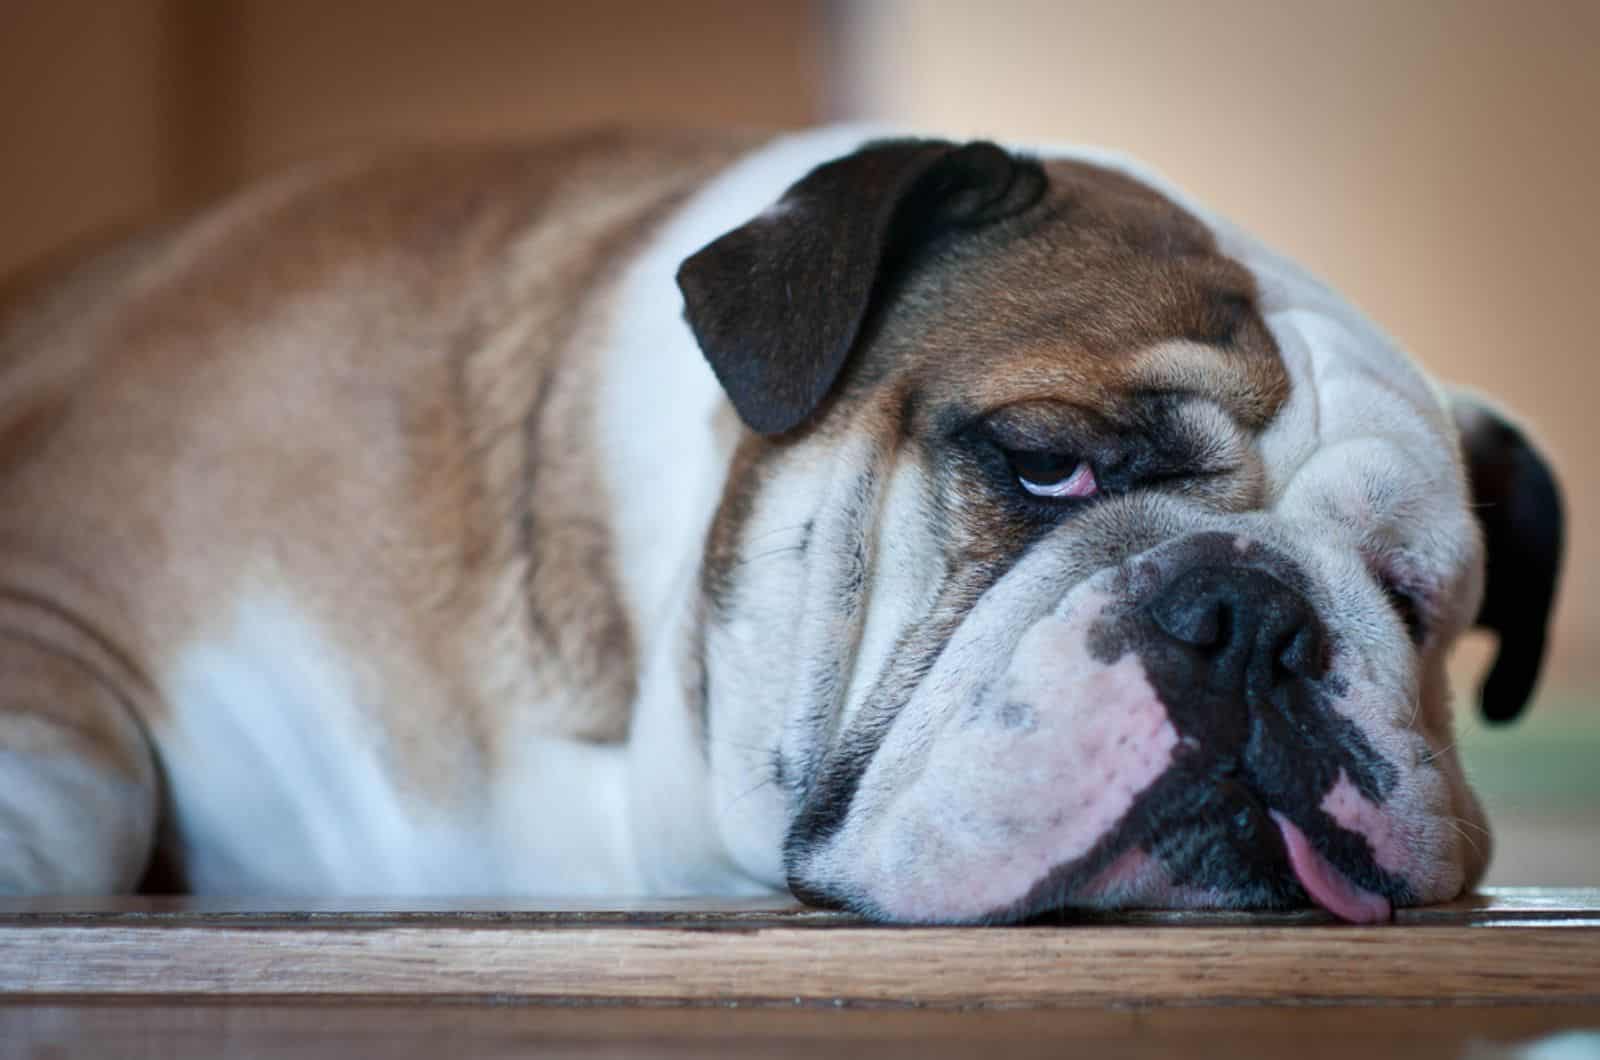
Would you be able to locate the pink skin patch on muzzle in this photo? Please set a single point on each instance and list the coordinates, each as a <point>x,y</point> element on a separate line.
<point>1326,885</point>
<point>999,805</point>
<point>1352,811</point>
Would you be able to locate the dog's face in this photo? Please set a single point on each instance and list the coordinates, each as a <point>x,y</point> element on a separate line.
<point>1085,555</point>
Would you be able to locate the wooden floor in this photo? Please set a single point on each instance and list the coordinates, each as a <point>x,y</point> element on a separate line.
<point>186,977</point>
<point>457,1032</point>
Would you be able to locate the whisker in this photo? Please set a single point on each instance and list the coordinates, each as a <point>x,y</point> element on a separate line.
<point>1434,756</point>
<point>768,554</point>
<point>1456,823</point>
<point>737,799</point>
<point>1472,824</point>
<point>754,748</point>
<point>776,531</point>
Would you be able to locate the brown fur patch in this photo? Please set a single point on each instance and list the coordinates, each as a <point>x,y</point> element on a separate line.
<point>1079,300</point>
<point>365,389</point>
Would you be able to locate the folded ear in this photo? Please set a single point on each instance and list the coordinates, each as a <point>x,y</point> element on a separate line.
<point>1516,499</point>
<point>777,304</point>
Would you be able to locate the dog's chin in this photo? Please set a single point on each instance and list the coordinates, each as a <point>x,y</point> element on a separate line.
<point>1136,880</point>
<point>1134,877</point>
<point>1189,843</point>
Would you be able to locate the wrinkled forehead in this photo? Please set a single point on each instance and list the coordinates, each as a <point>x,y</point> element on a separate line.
<point>1327,350</point>
<point>1106,292</point>
<point>1364,437</point>
<point>1122,286</point>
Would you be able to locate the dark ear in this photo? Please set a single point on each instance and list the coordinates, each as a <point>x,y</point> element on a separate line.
<point>1518,503</point>
<point>778,303</point>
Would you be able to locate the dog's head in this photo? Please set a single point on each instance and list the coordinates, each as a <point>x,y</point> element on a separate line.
<point>1083,553</point>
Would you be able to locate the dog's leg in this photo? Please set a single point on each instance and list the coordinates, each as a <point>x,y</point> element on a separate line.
<point>77,780</point>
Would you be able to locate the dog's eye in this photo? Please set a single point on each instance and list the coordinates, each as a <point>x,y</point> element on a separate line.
<point>1052,475</point>
<point>1407,607</point>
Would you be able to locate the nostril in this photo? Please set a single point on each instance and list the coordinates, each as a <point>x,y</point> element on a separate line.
<point>1304,652</point>
<point>1200,620</point>
<point>1241,631</point>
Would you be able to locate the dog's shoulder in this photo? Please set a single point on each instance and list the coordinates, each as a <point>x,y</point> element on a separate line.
<point>340,381</point>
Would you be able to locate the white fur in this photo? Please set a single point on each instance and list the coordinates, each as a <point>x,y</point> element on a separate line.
<point>906,570</point>
<point>278,779</point>
<point>663,410</point>
<point>53,807</point>
<point>283,782</point>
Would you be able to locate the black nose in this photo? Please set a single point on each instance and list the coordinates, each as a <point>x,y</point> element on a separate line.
<point>1240,634</point>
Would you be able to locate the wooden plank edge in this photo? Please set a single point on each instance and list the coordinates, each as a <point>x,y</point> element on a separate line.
<point>14,1003</point>
<point>931,966</point>
<point>1495,906</point>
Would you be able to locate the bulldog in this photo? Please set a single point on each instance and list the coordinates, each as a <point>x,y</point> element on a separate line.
<point>942,531</point>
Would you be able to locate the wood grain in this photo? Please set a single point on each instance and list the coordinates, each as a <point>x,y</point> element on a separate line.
<point>166,1031</point>
<point>1509,946</point>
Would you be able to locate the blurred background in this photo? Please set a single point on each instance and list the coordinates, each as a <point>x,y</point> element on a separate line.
<point>1435,160</point>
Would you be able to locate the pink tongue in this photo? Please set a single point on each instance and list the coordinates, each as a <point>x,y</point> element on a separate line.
<point>1326,885</point>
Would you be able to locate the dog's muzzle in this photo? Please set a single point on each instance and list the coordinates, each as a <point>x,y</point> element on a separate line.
<point>1174,732</point>
<point>1244,659</point>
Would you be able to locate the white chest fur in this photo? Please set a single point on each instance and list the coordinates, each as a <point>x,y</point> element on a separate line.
<point>283,780</point>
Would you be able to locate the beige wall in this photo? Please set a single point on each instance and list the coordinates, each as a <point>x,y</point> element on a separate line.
<point>307,75</point>
<point>116,111</point>
<point>1437,161</point>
